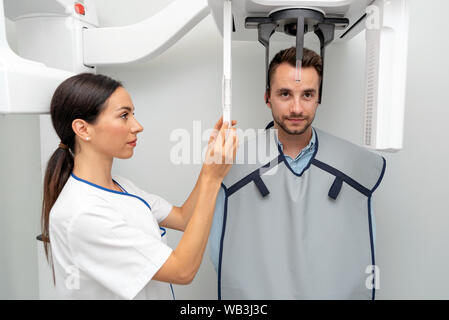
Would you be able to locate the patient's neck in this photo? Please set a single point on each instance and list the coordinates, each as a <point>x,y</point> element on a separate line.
<point>293,143</point>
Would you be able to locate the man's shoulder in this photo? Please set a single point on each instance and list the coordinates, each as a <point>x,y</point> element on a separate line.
<point>357,162</point>
<point>340,146</point>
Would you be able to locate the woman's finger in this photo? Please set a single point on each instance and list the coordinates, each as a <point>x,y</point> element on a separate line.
<point>219,142</point>
<point>213,136</point>
<point>219,130</point>
<point>230,146</point>
<point>219,123</point>
<point>223,130</point>
<point>215,130</point>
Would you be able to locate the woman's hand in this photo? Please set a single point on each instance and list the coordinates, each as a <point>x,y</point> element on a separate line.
<point>184,262</point>
<point>221,151</point>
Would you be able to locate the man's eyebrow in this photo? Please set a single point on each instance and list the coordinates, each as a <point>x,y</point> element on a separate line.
<point>310,90</point>
<point>124,107</point>
<point>283,89</point>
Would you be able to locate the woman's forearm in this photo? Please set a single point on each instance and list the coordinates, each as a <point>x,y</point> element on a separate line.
<point>188,207</point>
<point>184,262</point>
<point>193,243</point>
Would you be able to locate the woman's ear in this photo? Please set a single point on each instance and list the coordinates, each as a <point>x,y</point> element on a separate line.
<point>81,129</point>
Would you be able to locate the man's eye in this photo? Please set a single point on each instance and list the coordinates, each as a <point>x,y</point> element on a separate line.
<point>285,94</point>
<point>124,116</point>
<point>308,95</point>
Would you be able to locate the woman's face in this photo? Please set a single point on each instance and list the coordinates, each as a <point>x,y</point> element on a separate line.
<point>116,129</point>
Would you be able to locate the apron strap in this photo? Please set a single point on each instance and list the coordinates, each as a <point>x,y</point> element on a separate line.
<point>335,188</point>
<point>261,186</point>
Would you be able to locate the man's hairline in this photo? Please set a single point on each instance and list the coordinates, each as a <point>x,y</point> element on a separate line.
<point>268,89</point>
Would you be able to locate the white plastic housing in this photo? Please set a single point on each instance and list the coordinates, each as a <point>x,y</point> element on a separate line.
<point>55,42</point>
<point>26,86</point>
<point>146,39</point>
<point>386,72</point>
<point>227,62</point>
<point>49,44</point>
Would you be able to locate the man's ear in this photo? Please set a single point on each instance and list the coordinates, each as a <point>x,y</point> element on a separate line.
<point>267,98</point>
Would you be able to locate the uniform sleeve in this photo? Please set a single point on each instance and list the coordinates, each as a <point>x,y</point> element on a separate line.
<point>159,206</point>
<point>120,257</point>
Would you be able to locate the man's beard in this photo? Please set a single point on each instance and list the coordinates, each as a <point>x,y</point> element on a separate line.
<point>282,125</point>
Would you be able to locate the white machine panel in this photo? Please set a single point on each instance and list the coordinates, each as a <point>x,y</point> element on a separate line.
<point>386,73</point>
<point>351,9</point>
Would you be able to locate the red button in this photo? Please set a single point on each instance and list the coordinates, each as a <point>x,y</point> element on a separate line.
<point>79,8</point>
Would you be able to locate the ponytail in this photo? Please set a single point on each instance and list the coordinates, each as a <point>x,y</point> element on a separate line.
<point>57,173</point>
<point>82,96</point>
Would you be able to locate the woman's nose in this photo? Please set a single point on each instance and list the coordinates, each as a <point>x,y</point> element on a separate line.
<point>137,127</point>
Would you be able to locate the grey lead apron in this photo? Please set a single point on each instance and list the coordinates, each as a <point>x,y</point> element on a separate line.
<point>299,236</point>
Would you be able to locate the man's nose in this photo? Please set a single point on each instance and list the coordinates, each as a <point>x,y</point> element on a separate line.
<point>296,107</point>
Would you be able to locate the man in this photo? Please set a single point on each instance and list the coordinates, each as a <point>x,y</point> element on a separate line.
<point>299,226</point>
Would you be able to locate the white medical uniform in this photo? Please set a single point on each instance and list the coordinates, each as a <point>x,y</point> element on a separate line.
<point>107,244</point>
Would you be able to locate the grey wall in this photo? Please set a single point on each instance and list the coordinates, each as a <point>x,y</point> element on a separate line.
<point>183,85</point>
<point>20,196</point>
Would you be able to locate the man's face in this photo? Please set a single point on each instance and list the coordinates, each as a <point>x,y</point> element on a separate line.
<point>294,103</point>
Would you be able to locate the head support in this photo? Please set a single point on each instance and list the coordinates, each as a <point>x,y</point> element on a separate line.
<point>296,22</point>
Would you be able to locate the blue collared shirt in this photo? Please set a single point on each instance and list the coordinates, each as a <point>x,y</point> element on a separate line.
<point>298,164</point>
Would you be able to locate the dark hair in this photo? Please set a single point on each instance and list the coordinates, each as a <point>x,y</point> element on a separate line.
<point>309,59</point>
<point>82,96</point>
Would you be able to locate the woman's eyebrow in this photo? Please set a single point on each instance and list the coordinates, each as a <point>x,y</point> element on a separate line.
<point>125,107</point>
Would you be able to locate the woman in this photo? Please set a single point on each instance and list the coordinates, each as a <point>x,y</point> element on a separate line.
<point>104,233</point>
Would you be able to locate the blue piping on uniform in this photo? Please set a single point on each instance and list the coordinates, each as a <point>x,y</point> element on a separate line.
<point>109,190</point>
